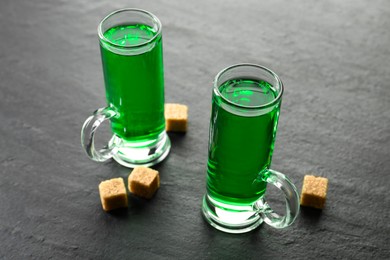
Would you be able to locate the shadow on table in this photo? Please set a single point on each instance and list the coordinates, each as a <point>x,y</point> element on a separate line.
<point>176,137</point>
<point>135,204</point>
<point>221,245</point>
<point>310,214</point>
<point>121,213</point>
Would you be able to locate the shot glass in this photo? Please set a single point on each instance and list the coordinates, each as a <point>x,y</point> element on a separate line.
<point>246,103</point>
<point>132,59</point>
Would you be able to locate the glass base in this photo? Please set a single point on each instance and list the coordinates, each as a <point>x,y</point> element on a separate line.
<point>148,153</point>
<point>230,218</point>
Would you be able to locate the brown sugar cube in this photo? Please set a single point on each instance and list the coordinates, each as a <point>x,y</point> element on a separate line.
<point>113,194</point>
<point>144,182</point>
<point>314,191</point>
<point>176,117</point>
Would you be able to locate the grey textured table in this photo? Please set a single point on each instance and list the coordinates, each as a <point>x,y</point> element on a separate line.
<point>334,59</point>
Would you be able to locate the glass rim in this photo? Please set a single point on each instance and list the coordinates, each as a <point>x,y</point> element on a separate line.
<point>269,104</point>
<point>107,41</point>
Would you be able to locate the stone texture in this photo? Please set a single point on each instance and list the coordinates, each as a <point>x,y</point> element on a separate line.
<point>333,57</point>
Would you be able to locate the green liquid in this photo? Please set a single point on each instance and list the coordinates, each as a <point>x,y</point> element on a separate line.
<point>241,146</point>
<point>134,83</point>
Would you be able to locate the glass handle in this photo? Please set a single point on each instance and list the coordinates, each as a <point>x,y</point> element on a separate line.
<point>88,135</point>
<point>280,181</point>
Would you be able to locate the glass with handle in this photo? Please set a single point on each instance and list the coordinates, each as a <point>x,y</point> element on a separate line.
<point>246,103</point>
<point>132,59</point>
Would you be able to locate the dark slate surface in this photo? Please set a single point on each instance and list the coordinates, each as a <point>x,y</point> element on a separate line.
<point>334,58</point>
